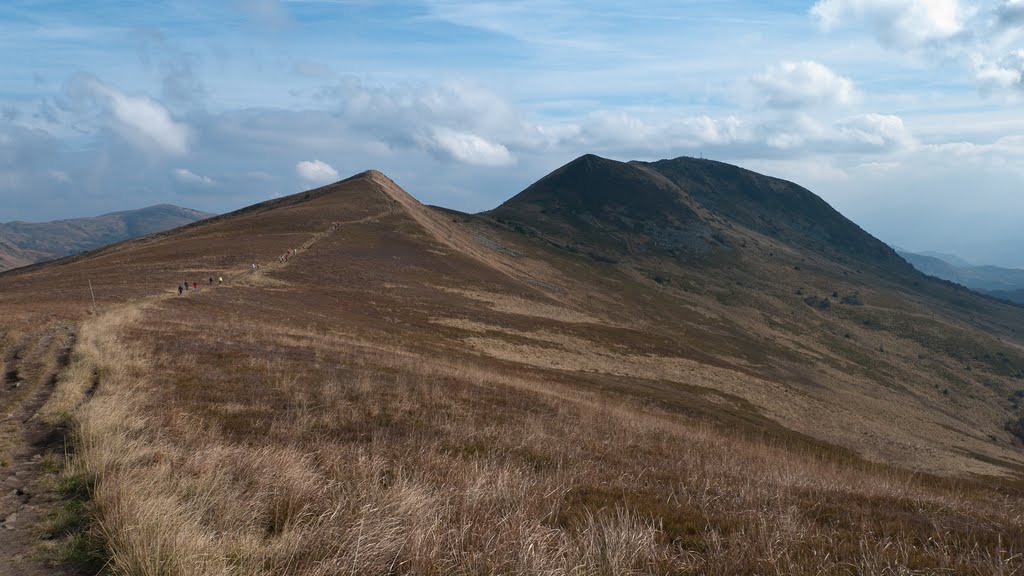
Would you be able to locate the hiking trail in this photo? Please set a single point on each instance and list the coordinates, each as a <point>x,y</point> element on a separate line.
<point>31,369</point>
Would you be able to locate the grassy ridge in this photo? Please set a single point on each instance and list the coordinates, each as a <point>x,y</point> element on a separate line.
<point>417,391</point>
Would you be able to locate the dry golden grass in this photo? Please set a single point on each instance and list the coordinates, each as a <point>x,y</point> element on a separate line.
<point>323,458</point>
<point>524,307</point>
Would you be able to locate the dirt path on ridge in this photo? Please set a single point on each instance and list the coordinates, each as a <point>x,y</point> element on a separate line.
<point>31,369</point>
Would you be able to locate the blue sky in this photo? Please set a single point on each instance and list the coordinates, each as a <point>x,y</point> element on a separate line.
<point>904,114</point>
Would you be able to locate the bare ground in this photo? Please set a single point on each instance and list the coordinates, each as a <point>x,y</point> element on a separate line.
<point>34,447</point>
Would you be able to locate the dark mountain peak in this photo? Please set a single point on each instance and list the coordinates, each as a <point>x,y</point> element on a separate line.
<point>595,186</point>
<point>673,203</point>
<point>597,204</point>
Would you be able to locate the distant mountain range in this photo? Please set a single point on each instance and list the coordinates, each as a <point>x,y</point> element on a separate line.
<point>1005,283</point>
<point>24,243</point>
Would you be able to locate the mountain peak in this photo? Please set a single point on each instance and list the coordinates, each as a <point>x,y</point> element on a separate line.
<point>679,204</point>
<point>371,175</point>
<point>593,201</point>
<point>590,185</point>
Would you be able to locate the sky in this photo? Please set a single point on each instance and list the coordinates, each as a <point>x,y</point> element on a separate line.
<point>905,115</point>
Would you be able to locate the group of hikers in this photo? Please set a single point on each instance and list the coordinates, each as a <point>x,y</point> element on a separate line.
<point>183,287</point>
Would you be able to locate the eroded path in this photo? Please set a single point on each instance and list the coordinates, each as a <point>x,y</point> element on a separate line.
<point>33,449</point>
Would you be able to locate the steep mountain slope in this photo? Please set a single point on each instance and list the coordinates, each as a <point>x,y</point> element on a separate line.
<point>776,208</point>
<point>23,243</point>
<point>606,373</point>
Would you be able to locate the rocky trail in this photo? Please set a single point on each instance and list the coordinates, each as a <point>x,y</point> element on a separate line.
<point>35,449</point>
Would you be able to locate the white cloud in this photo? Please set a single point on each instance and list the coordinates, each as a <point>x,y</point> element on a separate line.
<point>316,171</point>
<point>610,130</point>
<point>1006,73</point>
<point>789,134</point>
<point>883,131</point>
<point>143,120</point>
<point>186,176</point>
<point>800,84</point>
<point>878,167</point>
<point>1005,152</point>
<point>460,119</point>
<point>469,148</point>
<point>896,22</point>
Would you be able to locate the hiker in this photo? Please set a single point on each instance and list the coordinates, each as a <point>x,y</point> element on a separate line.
<point>195,286</point>
<point>211,280</point>
<point>253,266</point>
<point>186,284</point>
<point>179,289</point>
<point>220,279</point>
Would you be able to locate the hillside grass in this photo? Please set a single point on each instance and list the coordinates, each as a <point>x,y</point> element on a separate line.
<point>257,448</point>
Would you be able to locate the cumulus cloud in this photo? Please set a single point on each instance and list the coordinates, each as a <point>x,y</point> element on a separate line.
<point>469,148</point>
<point>462,121</point>
<point>880,131</point>
<point>896,22</point>
<point>316,171</point>
<point>143,120</point>
<point>800,84</point>
<point>611,130</point>
<point>1007,151</point>
<point>1005,73</point>
<point>186,176</point>
<point>788,134</point>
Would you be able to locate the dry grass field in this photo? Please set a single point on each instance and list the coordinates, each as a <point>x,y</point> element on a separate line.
<point>416,391</point>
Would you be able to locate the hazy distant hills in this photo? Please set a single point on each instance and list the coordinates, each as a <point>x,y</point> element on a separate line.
<point>1006,283</point>
<point>23,243</point>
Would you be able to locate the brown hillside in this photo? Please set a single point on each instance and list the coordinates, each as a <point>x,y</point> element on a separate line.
<point>23,243</point>
<point>581,382</point>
